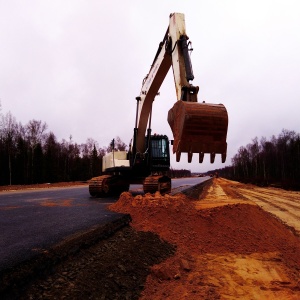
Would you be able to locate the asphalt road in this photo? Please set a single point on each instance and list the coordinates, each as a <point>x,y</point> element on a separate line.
<point>33,220</point>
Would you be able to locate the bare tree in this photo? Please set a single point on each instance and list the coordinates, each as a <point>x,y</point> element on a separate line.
<point>117,145</point>
<point>9,134</point>
<point>91,143</point>
<point>35,132</point>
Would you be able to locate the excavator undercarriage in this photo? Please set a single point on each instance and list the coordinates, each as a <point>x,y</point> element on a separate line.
<point>110,185</point>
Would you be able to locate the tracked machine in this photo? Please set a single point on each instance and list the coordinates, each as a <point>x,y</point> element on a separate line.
<point>197,127</point>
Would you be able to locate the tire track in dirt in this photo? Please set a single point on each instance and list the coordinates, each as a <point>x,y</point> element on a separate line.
<point>283,197</point>
<point>277,204</point>
<point>280,204</point>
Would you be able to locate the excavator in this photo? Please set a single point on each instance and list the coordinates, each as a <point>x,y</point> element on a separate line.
<point>197,127</point>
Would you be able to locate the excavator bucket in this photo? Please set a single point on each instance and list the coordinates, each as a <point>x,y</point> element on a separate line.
<point>199,128</point>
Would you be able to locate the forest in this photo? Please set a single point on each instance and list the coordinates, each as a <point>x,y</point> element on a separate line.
<point>31,154</point>
<point>274,161</point>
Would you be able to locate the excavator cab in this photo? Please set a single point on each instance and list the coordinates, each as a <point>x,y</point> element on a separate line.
<point>159,153</point>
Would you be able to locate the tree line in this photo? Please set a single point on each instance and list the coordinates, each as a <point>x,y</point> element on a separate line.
<point>29,154</point>
<point>274,161</point>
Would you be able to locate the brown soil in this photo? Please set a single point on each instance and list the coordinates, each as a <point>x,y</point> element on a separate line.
<point>227,247</point>
<point>4,188</point>
<point>220,246</point>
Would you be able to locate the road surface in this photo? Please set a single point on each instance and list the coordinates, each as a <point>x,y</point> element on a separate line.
<point>33,220</point>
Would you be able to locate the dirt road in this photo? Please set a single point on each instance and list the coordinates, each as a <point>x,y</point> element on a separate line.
<point>283,204</point>
<point>223,245</point>
<point>262,274</point>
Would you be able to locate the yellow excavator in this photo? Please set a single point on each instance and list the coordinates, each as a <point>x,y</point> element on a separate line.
<point>197,127</point>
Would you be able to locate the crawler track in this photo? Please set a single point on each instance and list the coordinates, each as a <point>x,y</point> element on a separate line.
<point>98,186</point>
<point>157,183</point>
<point>107,185</point>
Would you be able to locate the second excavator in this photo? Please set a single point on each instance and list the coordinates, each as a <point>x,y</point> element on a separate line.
<point>197,127</point>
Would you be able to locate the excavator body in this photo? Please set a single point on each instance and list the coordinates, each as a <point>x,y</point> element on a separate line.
<point>197,127</point>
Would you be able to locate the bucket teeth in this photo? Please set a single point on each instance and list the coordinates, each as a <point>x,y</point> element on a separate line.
<point>190,156</point>
<point>223,157</point>
<point>212,157</point>
<point>201,156</point>
<point>178,155</point>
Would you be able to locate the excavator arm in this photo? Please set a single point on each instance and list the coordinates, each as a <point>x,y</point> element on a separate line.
<point>197,127</point>
<point>150,88</point>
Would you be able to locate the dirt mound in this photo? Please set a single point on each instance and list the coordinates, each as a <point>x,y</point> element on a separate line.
<point>239,230</point>
<point>127,202</point>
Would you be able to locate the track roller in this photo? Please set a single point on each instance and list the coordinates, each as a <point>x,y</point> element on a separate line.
<point>158,183</point>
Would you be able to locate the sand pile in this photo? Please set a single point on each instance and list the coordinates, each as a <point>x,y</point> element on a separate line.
<point>234,230</point>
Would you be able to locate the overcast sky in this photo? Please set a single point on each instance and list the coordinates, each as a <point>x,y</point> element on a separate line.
<point>78,65</point>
